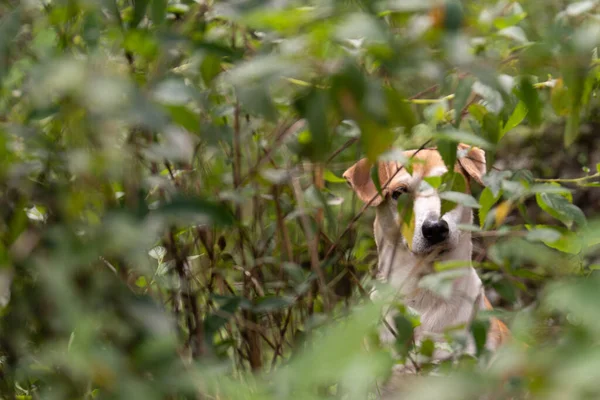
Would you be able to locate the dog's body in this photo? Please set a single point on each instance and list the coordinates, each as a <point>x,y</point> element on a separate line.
<point>404,261</point>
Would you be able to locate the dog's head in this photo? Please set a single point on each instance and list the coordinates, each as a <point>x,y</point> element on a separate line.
<point>430,230</point>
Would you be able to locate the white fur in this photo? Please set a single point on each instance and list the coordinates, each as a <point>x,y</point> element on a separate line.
<point>403,267</point>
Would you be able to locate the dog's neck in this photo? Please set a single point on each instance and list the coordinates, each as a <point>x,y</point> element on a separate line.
<point>404,270</point>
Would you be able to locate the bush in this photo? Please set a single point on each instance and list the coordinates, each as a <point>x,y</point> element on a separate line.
<point>173,221</point>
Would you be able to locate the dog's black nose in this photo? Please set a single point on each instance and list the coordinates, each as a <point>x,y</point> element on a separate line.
<point>435,231</point>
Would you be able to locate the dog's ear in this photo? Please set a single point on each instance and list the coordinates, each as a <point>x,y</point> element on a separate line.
<point>473,163</point>
<point>359,179</point>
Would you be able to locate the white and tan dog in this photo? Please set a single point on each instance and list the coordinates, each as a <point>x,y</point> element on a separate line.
<point>403,262</point>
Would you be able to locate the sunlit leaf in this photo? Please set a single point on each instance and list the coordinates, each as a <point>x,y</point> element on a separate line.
<point>515,119</point>
<point>514,32</point>
<point>558,238</point>
<point>502,211</point>
<point>486,201</point>
<point>580,7</point>
<point>560,208</point>
<point>560,99</point>
<point>331,177</point>
<point>460,198</point>
<point>210,68</point>
<point>158,253</point>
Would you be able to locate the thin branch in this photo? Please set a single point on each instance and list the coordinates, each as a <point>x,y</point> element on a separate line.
<point>577,181</point>
<point>283,131</point>
<point>312,243</point>
<point>342,148</point>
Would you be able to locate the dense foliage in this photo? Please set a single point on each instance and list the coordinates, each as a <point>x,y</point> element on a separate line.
<point>172,219</point>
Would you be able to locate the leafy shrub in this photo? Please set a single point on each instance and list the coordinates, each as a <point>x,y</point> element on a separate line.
<point>173,221</point>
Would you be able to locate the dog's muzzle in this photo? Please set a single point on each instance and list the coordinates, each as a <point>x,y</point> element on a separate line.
<point>435,231</point>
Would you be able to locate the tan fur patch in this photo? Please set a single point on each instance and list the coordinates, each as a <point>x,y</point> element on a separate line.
<point>498,330</point>
<point>423,162</point>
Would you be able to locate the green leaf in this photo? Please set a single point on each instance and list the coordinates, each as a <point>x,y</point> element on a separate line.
<point>552,188</point>
<point>575,75</point>
<point>558,238</point>
<point>468,228</point>
<point>159,11</point>
<point>433,181</point>
<point>463,91</point>
<point>158,253</point>
<point>405,209</point>
<point>460,198</point>
<point>256,100</point>
<point>509,20</point>
<point>453,182</point>
<point>344,342</point>
<point>479,330</point>
<point>332,178</point>
<point>271,303</point>
<point>313,106</point>
<point>447,149</point>
<point>478,112</point>
<point>228,307</point>
<point>491,128</point>
<point>196,210</point>
<point>515,118</point>
<point>579,7</point>
<point>572,127</point>
<point>560,99</point>
<point>494,180</point>
<point>441,283</point>
<point>375,178</point>
<point>183,116</point>
<point>375,139</point>
<point>399,111</point>
<point>560,208</point>
<point>487,201</point>
<point>282,20</point>
<point>404,333</point>
<point>577,298</point>
<point>515,33</point>
<point>427,347</point>
<point>141,282</point>
<point>454,15</point>
<point>439,266</point>
<point>506,290</point>
<point>529,96</point>
<point>178,8</point>
<point>210,68</point>
<point>542,234</point>
<point>139,11</point>
<point>457,136</point>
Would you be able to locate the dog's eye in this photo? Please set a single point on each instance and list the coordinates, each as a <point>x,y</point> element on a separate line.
<point>398,192</point>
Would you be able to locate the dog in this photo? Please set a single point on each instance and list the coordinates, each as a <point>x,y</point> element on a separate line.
<point>404,262</point>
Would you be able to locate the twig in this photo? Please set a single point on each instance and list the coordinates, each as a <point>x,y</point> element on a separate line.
<point>342,148</point>
<point>312,243</point>
<point>430,101</point>
<point>251,338</point>
<point>577,181</point>
<point>424,92</point>
<point>284,130</point>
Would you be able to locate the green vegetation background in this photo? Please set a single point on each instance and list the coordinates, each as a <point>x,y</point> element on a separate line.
<point>173,224</point>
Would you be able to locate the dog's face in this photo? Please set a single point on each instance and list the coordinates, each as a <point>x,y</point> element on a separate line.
<point>429,228</point>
